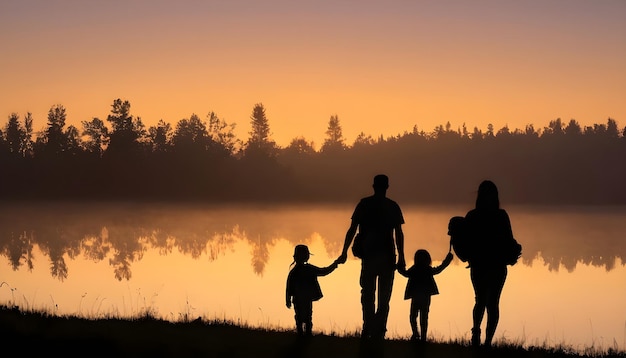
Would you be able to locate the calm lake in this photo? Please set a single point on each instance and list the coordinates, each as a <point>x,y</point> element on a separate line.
<point>186,261</point>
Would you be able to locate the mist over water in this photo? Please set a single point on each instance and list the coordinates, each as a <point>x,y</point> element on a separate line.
<point>185,261</point>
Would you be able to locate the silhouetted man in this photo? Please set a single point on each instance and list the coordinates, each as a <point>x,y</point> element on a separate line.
<point>377,218</point>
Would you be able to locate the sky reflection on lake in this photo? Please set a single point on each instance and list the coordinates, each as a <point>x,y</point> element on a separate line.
<point>232,263</point>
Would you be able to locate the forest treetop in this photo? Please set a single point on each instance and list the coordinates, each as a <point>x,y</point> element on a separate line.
<point>120,157</point>
<point>96,134</point>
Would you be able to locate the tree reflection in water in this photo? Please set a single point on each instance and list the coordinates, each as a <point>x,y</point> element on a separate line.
<point>122,233</point>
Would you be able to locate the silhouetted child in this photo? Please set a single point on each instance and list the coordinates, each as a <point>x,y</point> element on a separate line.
<point>303,288</point>
<point>420,287</point>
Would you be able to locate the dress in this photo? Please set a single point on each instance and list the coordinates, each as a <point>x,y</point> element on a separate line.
<point>421,279</point>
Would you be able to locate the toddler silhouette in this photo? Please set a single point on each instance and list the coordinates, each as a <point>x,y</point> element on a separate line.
<point>303,288</point>
<point>419,289</point>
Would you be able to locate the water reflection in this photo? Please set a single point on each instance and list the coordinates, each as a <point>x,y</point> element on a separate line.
<point>565,237</point>
<point>177,261</point>
<point>122,233</point>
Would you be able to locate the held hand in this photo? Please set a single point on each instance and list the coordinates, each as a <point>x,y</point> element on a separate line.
<point>401,262</point>
<point>401,266</point>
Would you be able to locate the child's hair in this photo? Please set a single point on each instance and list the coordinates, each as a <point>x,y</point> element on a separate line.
<point>301,254</point>
<point>422,258</point>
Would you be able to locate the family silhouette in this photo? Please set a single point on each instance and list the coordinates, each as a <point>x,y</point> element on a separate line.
<point>483,238</point>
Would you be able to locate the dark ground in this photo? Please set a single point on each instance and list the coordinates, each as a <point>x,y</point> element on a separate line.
<point>26,334</point>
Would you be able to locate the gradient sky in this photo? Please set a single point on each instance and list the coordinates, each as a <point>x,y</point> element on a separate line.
<point>381,66</point>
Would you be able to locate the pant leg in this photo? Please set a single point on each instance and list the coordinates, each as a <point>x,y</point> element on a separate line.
<point>479,283</point>
<point>308,318</point>
<point>488,283</point>
<point>304,315</point>
<point>494,291</point>
<point>368,290</point>
<point>298,316</point>
<point>386,275</point>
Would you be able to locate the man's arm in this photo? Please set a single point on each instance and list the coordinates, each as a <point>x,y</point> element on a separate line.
<point>400,245</point>
<point>346,244</point>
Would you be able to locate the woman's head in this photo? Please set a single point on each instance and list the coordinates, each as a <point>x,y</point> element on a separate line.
<point>487,197</point>
<point>301,254</point>
<point>422,258</point>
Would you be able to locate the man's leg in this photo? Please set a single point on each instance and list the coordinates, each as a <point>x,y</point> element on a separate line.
<point>385,285</point>
<point>368,287</point>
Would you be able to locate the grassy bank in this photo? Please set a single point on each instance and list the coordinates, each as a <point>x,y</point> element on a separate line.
<point>38,334</point>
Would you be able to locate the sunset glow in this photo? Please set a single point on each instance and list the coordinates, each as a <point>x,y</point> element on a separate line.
<point>382,67</point>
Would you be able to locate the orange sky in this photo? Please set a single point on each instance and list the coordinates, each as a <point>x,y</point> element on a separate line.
<point>382,67</point>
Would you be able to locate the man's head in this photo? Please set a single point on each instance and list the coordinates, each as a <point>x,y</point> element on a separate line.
<point>381,183</point>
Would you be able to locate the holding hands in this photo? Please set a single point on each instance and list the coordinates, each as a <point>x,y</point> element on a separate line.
<point>401,262</point>
<point>342,258</point>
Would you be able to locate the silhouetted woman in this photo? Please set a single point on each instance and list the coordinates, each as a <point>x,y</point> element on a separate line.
<point>493,248</point>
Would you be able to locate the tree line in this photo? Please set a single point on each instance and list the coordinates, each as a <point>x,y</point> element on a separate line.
<point>203,160</point>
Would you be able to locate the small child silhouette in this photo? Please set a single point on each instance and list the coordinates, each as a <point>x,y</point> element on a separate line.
<point>303,288</point>
<point>420,287</point>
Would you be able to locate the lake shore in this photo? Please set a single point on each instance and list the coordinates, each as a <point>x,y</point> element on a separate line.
<point>37,334</point>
